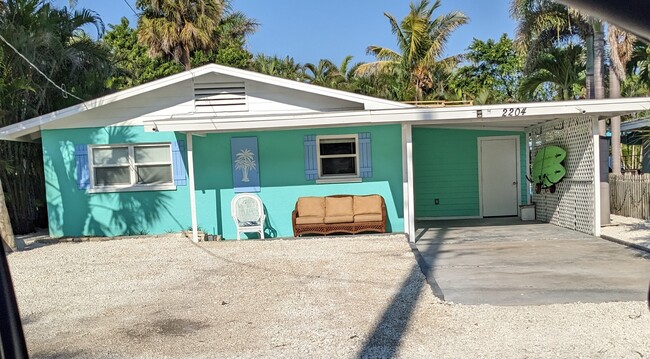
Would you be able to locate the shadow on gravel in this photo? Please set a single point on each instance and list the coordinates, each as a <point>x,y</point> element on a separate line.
<point>385,339</point>
<point>62,354</point>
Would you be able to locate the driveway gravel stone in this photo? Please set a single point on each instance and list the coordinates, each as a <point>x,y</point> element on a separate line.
<point>334,297</point>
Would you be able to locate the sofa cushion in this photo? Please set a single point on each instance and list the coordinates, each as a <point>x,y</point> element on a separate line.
<point>339,219</point>
<point>338,206</point>
<point>359,218</point>
<point>367,204</point>
<point>309,220</point>
<point>311,206</point>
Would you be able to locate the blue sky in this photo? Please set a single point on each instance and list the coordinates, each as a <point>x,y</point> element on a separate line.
<point>310,30</point>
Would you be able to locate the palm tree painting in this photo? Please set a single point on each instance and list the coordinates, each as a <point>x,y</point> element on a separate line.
<point>245,162</point>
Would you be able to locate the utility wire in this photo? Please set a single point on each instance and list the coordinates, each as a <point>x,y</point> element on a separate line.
<point>39,71</point>
<point>130,7</point>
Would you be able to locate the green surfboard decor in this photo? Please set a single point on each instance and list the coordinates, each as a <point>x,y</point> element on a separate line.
<point>547,168</point>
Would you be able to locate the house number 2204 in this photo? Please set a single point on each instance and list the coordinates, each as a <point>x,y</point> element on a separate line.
<point>517,111</point>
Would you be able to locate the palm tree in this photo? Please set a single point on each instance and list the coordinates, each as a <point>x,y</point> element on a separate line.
<point>53,41</point>
<point>621,45</point>
<point>421,40</point>
<point>286,68</point>
<point>323,74</point>
<point>562,68</point>
<point>544,23</point>
<point>235,26</point>
<point>176,28</point>
<point>639,64</point>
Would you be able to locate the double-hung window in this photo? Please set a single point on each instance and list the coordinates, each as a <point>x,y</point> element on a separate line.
<point>338,156</point>
<point>131,167</point>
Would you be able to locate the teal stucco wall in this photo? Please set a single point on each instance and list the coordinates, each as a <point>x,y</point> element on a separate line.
<point>445,163</point>
<point>74,212</point>
<point>282,176</point>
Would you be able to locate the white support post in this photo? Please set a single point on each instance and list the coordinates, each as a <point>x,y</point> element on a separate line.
<point>529,185</point>
<point>596,149</point>
<point>407,181</point>
<point>190,168</point>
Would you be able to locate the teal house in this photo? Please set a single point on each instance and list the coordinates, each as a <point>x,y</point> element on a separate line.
<point>171,154</point>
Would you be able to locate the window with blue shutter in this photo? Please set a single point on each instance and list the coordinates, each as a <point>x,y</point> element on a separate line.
<point>365,155</point>
<point>338,157</point>
<point>178,163</point>
<point>81,159</point>
<point>311,158</point>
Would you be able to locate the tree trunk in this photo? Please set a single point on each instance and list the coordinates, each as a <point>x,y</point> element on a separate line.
<point>615,125</point>
<point>599,55</point>
<point>6,232</point>
<point>186,60</point>
<point>589,48</point>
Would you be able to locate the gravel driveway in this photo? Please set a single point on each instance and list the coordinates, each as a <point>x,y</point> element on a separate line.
<point>325,297</point>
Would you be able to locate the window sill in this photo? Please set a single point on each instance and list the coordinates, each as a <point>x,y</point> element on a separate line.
<point>339,180</point>
<point>158,187</point>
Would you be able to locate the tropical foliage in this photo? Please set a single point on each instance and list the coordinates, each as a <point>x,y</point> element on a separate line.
<point>421,40</point>
<point>562,68</point>
<point>177,28</point>
<point>492,73</point>
<point>54,45</point>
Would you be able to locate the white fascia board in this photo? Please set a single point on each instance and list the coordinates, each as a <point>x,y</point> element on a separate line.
<point>564,108</point>
<point>456,115</point>
<point>14,131</point>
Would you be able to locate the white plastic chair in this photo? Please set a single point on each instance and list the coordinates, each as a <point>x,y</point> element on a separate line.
<point>248,213</point>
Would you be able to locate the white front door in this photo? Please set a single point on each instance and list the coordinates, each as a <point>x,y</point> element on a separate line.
<point>499,178</point>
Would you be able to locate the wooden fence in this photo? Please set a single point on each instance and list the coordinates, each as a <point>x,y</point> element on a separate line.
<point>630,195</point>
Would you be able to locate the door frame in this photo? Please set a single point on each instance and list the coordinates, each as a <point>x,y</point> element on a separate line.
<point>480,173</point>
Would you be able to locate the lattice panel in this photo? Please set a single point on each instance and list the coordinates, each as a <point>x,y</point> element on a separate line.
<point>572,205</point>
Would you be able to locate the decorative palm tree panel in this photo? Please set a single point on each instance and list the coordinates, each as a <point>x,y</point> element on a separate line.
<point>245,164</point>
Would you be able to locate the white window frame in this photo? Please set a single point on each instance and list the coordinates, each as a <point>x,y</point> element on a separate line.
<point>356,177</point>
<point>133,185</point>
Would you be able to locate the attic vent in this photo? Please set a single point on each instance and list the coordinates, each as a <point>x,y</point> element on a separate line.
<point>220,97</point>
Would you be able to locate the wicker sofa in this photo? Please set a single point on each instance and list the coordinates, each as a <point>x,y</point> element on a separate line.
<point>339,214</point>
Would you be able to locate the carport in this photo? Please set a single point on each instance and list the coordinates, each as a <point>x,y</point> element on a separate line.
<point>473,162</point>
<point>471,244</point>
<point>504,261</point>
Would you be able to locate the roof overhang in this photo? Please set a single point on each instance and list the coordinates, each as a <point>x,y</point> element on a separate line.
<point>636,125</point>
<point>29,130</point>
<point>509,116</point>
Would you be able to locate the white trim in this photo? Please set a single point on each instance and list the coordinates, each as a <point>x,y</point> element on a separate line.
<point>407,181</point>
<point>132,165</point>
<point>477,128</point>
<point>536,113</point>
<point>447,218</point>
<point>342,177</point>
<point>529,186</point>
<point>190,166</point>
<point>339,180</point>
<point>479,140</point>
<point>596,147</point>
<point>141,188</point>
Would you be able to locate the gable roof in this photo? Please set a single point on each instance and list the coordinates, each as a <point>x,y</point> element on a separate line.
<point>28,130</point>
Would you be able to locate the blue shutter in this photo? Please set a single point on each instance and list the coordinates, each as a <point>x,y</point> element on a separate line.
<point>81,158</point>
<point>311,166</point>
<point>178,164</point>
<point>365,155</point>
